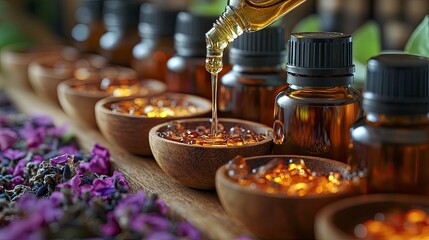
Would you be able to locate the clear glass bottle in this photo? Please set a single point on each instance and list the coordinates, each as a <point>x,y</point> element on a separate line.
<point>391,143</point>
<point>186,71</point>
<point>87,32</point>
<point>314,114</point>
<point>257,76</point>
<point>121,19</point>
<point>157,27</point>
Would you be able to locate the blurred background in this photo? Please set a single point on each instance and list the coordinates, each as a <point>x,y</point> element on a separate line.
<point>396,18</point>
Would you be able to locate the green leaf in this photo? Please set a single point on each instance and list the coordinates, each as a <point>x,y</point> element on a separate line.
<point>310,23</point>
<point>207,7</point>
<point>366,42</point>
<point>418,43</point>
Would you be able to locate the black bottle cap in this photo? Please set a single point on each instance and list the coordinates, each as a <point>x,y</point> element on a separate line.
<point>189,39</point>
<point>320,59</point>
<point>262,48</point>
<point>397,84</point>
<point>155,21</point>
<point>89,10</point>
<point>121,13</point>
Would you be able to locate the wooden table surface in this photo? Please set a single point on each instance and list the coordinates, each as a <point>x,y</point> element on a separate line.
<point>201,208</point>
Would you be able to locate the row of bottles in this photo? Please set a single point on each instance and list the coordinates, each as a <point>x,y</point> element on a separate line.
<point>169,45</point>
<point>305,94</point>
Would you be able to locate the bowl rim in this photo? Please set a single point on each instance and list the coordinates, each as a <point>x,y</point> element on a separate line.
<point>101,105</point>
<point>67,86</point>
<point>269,137</point>
<point>38,66</point>
<point>324,217</point>
<point>221,178</point>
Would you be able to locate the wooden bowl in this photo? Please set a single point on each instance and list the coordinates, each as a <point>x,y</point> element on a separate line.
<point>131,131</point>
<point>337,221</point>
<point>79,104</point>
<point>16,59</point>
<point>277,215</point>
<point>45,76</point>
<point>194,165</point>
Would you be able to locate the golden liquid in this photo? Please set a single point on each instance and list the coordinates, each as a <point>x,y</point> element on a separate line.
<point>315,123</point>
<point>239,16</point>
<point>214,122</point>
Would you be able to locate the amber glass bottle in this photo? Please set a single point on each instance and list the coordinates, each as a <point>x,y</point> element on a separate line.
<point>248,91</point>
<point>314,114</point>
<point>121,19</point>
<point>186,69</point>
<point>391,143</point>
<point>87,32</point>
<point>157,27</point>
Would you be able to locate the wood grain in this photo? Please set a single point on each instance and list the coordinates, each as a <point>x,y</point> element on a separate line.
<point>201,208</point>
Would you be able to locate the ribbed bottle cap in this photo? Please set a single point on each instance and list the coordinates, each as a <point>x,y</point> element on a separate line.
<point>262,48</point>
<point>397,84</point>
<point>89,10</point>
<point>155,21</point>
<point>121,13</point>
<point>189,39</point>
<point>320,59</point>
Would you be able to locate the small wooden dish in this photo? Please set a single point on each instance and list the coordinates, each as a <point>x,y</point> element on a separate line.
<point>80,104</point>
<point>337,221</point>
<point>16,59</point>
<point>276,215</point>
<point>130,132</point>
<point>194,165</point>
<point>45,76</point>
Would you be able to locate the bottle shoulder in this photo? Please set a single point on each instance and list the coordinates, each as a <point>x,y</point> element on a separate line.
<point>274,78</point>
<point>320,96</point>
<point>365,132</point>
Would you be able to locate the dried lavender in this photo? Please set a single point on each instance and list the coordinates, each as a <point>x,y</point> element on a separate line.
<point>50,189</point>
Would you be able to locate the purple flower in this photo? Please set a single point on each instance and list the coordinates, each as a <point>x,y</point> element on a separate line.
<point>69,149</point>
<point>161,235</point>
<point>56,198</point>
<point>187,230</point>
<point>99,163</point>
<point>154,222</point>
<point>73,183</point>
<point>14,154</point>
<point>162,206</point>
<point>100,151</point>
<point>16,180</point>
<point>61,159</point>
<point>20,168</point>
<point>57,131</point>
<point>111,228</point>
<point>7,138</point>
<point>33,136</point>
<point>37,159</point>
<point>106,186</point>
<point>41,120</point>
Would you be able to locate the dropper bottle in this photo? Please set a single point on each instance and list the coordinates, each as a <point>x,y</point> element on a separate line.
<point>242,16</point>
<point>239,16</point>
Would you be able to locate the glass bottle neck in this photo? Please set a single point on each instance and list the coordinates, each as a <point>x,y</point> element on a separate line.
<point>378,119</point>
